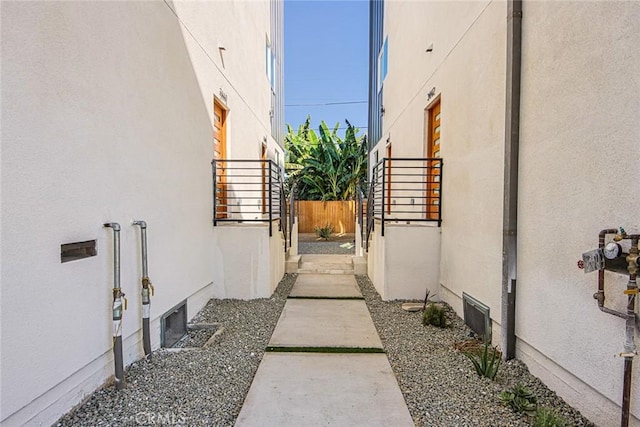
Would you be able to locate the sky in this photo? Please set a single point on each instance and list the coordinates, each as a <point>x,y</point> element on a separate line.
<point>326,61</point>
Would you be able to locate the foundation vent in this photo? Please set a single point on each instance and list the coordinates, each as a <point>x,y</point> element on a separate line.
<point>173,325</point>
<point>476,316</point>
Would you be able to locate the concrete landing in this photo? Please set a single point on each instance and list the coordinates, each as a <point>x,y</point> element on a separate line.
<point>321,286</point>
<point>306,389</point>
<point>325,323</point>
<point>326,264</point>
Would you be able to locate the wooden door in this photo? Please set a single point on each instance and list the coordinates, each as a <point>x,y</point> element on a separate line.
<point>220,153</point>
<point>433,167</point>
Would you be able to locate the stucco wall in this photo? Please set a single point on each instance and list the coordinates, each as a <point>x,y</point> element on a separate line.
<point>106,110</point>
<point>405,262</point>
<point>247,262</point>
<point>579,159</point>
<point>466,70</point>
<point>580,155</point>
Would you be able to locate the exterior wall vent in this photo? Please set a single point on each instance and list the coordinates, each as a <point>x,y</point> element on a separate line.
<point>173,325</point>
<point>476,316</point>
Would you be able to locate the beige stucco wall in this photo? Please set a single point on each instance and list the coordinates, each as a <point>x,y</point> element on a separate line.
<point>405,262</point>
<point>106,116</point>
<point>579,159</point>
<point>248,263</point>
<point>466,69</point>
<point>580,155</point>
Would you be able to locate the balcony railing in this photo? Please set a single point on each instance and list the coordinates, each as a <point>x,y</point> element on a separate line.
<point>406,190</point>
<point>249,191</point>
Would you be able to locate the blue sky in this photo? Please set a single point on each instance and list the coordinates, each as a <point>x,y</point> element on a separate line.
<point>326,60</point>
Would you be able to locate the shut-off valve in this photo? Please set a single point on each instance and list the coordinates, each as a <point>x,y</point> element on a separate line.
<point>612,257</point>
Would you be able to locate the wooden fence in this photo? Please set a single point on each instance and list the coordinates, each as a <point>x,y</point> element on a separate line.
<point>340,214</point>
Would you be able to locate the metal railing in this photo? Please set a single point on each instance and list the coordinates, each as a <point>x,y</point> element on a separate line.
<point>249,191</point>
<point>292,210</point>
<point>407,190</point>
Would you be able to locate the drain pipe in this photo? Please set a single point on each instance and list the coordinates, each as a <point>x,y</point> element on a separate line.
<point>511,153</point>
<point>147,290</point>
<point>118,298</point>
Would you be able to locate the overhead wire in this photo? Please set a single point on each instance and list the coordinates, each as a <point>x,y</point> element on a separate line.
<point>326,104</point>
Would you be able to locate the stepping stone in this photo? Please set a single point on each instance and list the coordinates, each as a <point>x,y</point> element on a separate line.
<point>305,389</point>
<point>321,323</point>
<point>325,286</point>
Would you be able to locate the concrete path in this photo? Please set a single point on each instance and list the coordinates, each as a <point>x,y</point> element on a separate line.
<point>324,364</point>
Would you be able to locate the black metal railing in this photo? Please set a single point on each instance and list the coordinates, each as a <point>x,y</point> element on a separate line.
<point>249,191</point>
<point>370,220</point>
<point>292,210</point>
<point>406,189</point>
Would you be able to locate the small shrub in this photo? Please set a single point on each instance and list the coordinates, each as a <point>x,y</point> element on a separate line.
<point>434,315</point>
<point>548,418</point>
<point>487,362</point>
<point>519,399</point>
<point>324,232</point>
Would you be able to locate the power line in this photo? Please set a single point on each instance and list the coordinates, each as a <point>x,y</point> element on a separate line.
<point>331,128</point>
<point>326,104</point>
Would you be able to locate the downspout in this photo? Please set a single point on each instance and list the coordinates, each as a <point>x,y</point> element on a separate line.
<point>147,291</point>
<point>118,298</point>
<point>511,151</point>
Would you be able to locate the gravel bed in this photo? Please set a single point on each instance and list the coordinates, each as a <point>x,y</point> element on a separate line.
<point>439,384</point>
<point>326,248</point>
<point>208,386</point>
<point>196,387</point>
<point>195,338</point>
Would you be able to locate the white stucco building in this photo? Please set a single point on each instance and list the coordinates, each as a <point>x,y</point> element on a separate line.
<point>440,86</point>
<point>113,111</point>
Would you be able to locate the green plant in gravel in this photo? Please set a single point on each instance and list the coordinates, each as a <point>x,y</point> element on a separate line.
<point>520,399</point>
<point>434,315</point>
<point>487,362</point>
<point>324,232</point>
<point>546,417</point>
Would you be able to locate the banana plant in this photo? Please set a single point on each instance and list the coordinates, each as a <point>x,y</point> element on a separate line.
<point>332,167</point>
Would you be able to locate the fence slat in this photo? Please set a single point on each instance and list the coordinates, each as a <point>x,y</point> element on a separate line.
<point>340,214</point>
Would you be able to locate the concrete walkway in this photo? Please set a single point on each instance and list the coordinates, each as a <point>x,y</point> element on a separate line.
<point>324,364</point>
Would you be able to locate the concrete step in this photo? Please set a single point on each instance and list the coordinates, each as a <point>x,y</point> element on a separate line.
<point>323,268</point>
<point>326,264</point>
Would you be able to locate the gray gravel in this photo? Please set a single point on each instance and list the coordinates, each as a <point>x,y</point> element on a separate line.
<point>208,386</point>
<point>439,383</point>
<point>195,387</point>
<point>195,338</point>
<point>326,248</point>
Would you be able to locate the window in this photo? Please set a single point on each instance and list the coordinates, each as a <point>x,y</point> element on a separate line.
<point>383,63</point>
<point>432,116</point>
<point>269,61</point>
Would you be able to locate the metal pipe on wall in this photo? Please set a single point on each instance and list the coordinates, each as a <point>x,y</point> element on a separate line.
<point>117,308</point>
<point>600,296</point>
<point>510,192</point>
<point>147,290</point>
<point>629,342</point>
